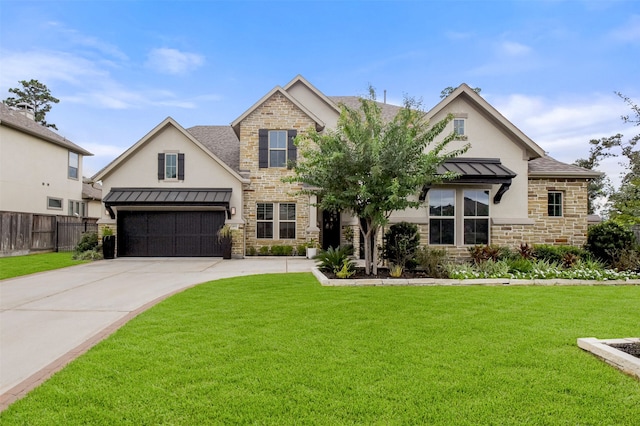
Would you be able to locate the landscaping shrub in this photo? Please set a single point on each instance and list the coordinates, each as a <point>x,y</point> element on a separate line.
<point>401,242</point>
<point>627,260</point>
<point>482,253</point>
<point>264,250</point>
<point>526,251</point>
<point>94,254</point>
<point>251,251</point>
<point>556,254</point>
<point>333,260</point>
<point>605,240</point>
<point>89,241</point>
<point>520,265</point>
<point>301,249</point>
<point>433,261</point>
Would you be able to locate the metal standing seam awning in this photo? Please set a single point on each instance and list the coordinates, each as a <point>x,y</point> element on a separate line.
<point>212,197</point>
<point>477,171</point>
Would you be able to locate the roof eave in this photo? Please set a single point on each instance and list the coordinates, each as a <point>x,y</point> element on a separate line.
<point>30,132</point>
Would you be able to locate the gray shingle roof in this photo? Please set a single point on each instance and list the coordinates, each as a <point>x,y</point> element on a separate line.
<point>550,167</point>
<point>388,111</point>
<point>220,140</point>
<point>17,120</point>
<point>91,191</point>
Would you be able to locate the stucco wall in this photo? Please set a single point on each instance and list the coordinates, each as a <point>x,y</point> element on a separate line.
<point>201,171</point>
<point>32,170</point>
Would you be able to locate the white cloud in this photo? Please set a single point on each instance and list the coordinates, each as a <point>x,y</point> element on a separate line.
<point>172,61</point>
<point>629,31</point>
<point>564,126</point>
<point>512,48</point>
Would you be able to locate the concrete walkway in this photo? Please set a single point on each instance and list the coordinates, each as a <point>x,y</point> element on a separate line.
<point>49,319</point>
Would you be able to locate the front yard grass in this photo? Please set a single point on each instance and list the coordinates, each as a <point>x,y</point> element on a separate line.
<point>280,349</point>
<point>16,266</point>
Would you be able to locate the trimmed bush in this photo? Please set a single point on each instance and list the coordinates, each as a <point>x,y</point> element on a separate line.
<point>607,239</point>
<point>89,241</point>
<point>558,254</point>
<point>401,242</point>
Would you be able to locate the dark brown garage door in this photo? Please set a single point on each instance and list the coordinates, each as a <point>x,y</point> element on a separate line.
<point>169,234</point>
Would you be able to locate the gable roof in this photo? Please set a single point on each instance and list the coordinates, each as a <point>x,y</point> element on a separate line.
<point>388,111</point>
<point>319,123</point>
<point>467,93</point>
<point>18,121</point>
<point>165,123</point>
<point>91,191</point>
<point>220,140</point>
<point>301,80</point>
<point>550,167</point>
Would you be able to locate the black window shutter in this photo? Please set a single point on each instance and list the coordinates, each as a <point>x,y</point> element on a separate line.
<point>160,166</point>
<point>180,166</point>
<point>263,148</point>
<point>292,150</point>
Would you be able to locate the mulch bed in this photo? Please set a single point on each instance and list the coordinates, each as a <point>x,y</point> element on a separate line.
<point>382,273</point>
<point>632,349</point>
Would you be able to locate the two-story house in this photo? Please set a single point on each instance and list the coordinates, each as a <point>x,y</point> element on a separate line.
<point>40,171</point>
<point>172,190</point>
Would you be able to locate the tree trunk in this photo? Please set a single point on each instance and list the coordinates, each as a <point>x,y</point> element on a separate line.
<point>374,251</point>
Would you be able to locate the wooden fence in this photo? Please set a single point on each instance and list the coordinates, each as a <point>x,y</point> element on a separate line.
<point>24,233</point>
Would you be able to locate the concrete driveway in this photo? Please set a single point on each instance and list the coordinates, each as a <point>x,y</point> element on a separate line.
<point>50,318</point>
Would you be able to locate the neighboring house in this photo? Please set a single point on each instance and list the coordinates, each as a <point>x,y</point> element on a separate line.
<point>170,192</point>
<point>92,196</point>
<point>40,171</point>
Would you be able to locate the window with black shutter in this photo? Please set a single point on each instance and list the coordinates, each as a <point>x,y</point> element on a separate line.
<point>276,148</point>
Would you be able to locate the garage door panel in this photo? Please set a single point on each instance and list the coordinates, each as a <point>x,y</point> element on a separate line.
<point>165,234</point>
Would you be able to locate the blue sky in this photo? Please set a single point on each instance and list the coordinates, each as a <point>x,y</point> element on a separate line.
<point>120,67</point>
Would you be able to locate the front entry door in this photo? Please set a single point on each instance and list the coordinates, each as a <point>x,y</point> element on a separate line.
<point>330,229</point>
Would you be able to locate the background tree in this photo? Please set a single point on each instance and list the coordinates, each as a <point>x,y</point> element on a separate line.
<point>623,205</point>
<point>600,187</point>
<point>38,96</point>
<point>371,168</point>
<point>447,91</point>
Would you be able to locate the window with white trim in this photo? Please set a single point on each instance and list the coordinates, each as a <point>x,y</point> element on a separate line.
<point>77,208</point>
<point>554,203</point>
<point>74,165</point>
<point>277,148</point>
<point>276,221</point>
<point>476,216</point>
<point>54,203</point>
<point>171,165</point>
<point>442,212</point>
<point>458,127</point>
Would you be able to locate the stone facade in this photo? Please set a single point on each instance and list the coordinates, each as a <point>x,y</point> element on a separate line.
<point>276,113</point>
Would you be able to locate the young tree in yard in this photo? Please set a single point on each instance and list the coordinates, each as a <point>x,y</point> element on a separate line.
<point>38,96</point>
<point>371,168</point>
<point>599,187</point>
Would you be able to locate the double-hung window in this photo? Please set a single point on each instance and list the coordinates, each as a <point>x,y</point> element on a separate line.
<point>554,203</point>
<point>442,212</point>
<point>277,148</point>
<point>458,127</point>
<point>74,165</point>
<point>276,221</point>
<point>476,216</point>
<point>171,166</point>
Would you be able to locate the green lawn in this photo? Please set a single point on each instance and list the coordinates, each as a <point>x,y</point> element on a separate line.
<point>280,349</point>
<point>23,265</point>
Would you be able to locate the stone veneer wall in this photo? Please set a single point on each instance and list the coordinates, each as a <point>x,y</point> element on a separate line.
<point>276,113</point>
<point>570,229</point>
